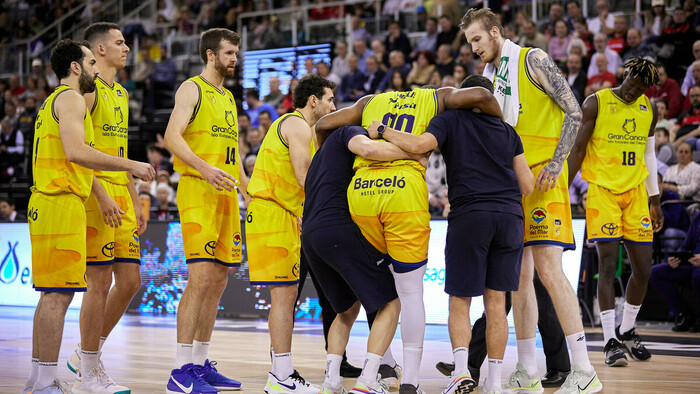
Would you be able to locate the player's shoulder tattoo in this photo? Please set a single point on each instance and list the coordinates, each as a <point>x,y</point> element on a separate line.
<point>553,82</point>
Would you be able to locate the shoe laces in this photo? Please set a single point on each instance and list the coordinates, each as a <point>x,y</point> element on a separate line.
<point>193,373</point>
<point>298,378</point>
<point>103,373</point>
<point>61,386</point>
<point>636,338</point>
<point>518,376</point>
<point>209,366</point>
<point>576,375</point>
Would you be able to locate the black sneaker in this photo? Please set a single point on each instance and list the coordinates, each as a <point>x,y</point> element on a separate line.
<point>348,370</point>
<point>683,322</point>
<point>614,355</point>
<point>445,368</point>
<point>633,344</point>
<point>390,376</point>
<point>410,389</point>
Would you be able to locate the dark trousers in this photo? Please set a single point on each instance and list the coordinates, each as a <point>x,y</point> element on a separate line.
<point>553,339</point>
<point>664,279</point>
<point>327,312</point>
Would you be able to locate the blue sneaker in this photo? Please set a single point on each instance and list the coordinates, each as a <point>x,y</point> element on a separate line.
<point>209,373</point>
<point>187,381</point>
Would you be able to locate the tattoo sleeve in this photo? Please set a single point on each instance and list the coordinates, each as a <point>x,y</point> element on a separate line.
<point>547,74</point>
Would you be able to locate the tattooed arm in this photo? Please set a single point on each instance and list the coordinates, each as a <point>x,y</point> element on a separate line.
<point>547,75</point>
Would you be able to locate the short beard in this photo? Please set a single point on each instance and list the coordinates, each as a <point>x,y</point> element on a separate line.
<point>496,54</point>
<point>86,84</point>
<point>222,69</point>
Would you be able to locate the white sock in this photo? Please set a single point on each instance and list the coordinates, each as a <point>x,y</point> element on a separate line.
<point>629,317</point>
<point>411,359</point>
<point>183,354</point>
<point>461,356</point>
<point>370,369</point>
<point>409,287</point>
<point>526,355</point>
<point>282,365</point>
<point>333,362</point>
<point>33,373</point>
<point>388,358</point>
<point>200,352</point>
<point>579,351</point>
<point>494,379</point>
<point>102,342</point>
<point>46,375</point>
<point>607,319</point>
<point>88,360</point>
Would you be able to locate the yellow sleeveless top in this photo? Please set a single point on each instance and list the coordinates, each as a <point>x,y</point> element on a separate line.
<point>409,112</point>
<point>615,153</point>
<point>273,177</point>
<point>212,132</point>
<point>110,118</point>
<point>53,173</point>
<point>540,118</point>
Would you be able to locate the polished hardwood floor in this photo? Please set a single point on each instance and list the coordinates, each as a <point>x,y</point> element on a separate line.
<point>140,354</point>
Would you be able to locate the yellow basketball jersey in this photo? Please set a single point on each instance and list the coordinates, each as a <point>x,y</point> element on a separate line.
<point>410,112</point>
<point>212,133</point>
<point>540,118</point>
<point>273,177</point>
<point>53,173</point>
<point>615,153</point>
<point>110,118</point>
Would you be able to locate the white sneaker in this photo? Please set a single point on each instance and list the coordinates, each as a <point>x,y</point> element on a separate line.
<point>28,386</point>
<point>328,388</point>
<point>57,387</point>
<point>461,383</point>
<point>73,362</point>
<point>374,388</point>
<point>96,382</point>
<point>580,381</point>
<point>293,384</point>
<point>520,381</point>
<point>390,377</point>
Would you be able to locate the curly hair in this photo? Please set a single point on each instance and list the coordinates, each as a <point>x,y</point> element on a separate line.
<point>310,85</point>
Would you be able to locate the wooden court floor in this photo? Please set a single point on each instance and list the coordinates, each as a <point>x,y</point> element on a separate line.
<point>140,354</point>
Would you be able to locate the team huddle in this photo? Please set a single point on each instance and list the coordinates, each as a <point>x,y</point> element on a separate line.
<point>347,190</point>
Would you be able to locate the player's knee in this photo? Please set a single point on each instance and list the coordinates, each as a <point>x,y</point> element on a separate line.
<point>642,272</point>
<point>606,272</point>
<point>350,314</point>
<point>410,283</point>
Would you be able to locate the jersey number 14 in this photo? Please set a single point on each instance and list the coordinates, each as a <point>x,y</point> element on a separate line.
<point>230,155</point>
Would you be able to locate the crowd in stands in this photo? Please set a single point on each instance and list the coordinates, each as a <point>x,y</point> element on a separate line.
<point>590,53</point>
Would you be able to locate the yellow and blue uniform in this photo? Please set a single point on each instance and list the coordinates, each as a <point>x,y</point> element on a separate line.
<point>56,211</point>
<point>547,215</point>
<point>615,169</point>
<point>211,227</point>
<point>389,200</point>
<point>272,235</point>
<point>110,119</point>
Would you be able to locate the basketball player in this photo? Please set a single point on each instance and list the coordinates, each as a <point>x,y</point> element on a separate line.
<point>272,223</point>
<point>537,101</point>
<point>617,147</point>
<point>112,211</point>
<point>487,175</point>
<point>352,270</point>
<point>203,135</point>
<point>394,216</point>
<point>63,164</point>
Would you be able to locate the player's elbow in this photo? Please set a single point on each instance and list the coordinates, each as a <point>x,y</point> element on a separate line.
<point>368,151</point>
<point>168,141</point>
<point>75,156</point>
<point>528,187</point>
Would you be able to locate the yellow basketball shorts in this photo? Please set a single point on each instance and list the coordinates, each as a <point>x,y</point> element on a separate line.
<point>272,243</point>
<point>107,245</point>
<point>390,206</point>
<point>547,215</point>
<point>210,221</point>
<point>612,217</point>
<point>57,227</point>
